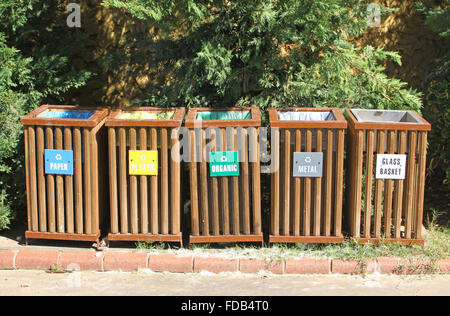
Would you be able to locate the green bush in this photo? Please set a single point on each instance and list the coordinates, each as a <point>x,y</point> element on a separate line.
<point>266,53</point>
<point>35,50</point>
<point>436,105</point>
<point>437,112</point>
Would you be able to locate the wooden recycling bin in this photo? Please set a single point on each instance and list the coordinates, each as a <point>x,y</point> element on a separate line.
<point>307,176</point>
<point>145,174</point>
<point>225,190</point>
<point>386,175</point>
<point>65,150</point>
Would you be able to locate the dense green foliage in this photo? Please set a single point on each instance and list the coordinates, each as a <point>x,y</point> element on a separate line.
<point>267,53</point>
<point>437,100</point>
<point>437,111</point>
<point>35,48</point>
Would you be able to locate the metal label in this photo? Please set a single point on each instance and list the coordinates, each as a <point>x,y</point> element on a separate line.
<point>58,162</point>
<point>143,162</point>
<point>391,167</point>
<point>224,164</point>
<point>308,165</point>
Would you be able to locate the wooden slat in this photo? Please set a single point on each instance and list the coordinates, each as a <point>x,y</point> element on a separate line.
<point>328,196</point>
<point>143,187</point>
<point>286,182</point>
<point>164,182</point>
<point>175,172</point>
<point>410,183</point>
<point>421,182</point>
<point>388,187</point>
<point>368,185</point>
<point>87,182</point>
<point>245,182</point>
<point>95,200</point>
<point>33,182</point>
<point>281,180</point>
<point>297,187</point>
<point>350,179</point>
<point>307,210</point>
<point>256,181</point>
<point>235,220</point>
<point>276,182</point>
<point>51,216</point>
<point>204,215</point>
<point>154,192</point>
<point>195,229</point>
<point>340,150</point>
<point>224,191</point>
<point>292,183</point>
<point>318,189</point>
<point>113,197</point>
<point>398,195</point>
<point>123,181</point>
<point>59,186</point>
<point>27,177</point>
<point>378,203</point>
<point>416,188</point>
<point>41,179</point>
<point>68,186</point>
<point>78,181</point>
<point>133,189</point>
<point>214,190</point>
<point>359,141</point>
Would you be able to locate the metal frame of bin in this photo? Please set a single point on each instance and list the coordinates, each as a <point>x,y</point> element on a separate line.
<point>65,207</point>
<point>392,202</point>
<point>300,213</point>
<point>145,208</point>
<point>235,215</point>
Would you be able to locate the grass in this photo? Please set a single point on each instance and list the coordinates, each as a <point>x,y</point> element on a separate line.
<point>437,246</point>
<point>151,245</point>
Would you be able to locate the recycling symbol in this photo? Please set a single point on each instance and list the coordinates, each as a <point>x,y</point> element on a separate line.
<point>308,159</point>
<point>223,159</point>
<point>58,157</point>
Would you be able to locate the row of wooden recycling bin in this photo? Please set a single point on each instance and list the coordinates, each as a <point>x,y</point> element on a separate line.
<point>85,165</point>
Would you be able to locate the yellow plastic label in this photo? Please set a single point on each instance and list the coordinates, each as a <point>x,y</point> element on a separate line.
<point>143,163</point>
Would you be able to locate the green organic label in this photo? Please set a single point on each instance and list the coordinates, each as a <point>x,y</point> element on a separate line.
<point>224,164</point>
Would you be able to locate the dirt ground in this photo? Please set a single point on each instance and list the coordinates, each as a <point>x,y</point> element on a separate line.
<point>144,282</point>
<point>25,283</point>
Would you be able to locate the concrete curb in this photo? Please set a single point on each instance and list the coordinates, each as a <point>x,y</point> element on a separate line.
<point>89,260</point>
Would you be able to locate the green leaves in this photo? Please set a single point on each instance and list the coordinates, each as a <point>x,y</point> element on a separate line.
<point>437,18</point>
<point>269,53</point>
<point>35,53</point>
<point>436,109</point>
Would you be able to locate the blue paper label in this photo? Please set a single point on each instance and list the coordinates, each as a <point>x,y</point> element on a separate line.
<point>58,162</point>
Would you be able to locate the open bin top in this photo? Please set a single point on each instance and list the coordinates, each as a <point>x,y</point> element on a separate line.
<point>387,119</point>
<point>65,115</point>
<point>307,118</point>
<point>146,117</point>
<point>223,117</point>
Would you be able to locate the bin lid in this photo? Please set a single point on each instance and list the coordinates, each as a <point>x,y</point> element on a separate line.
<point>65,115</point>
<point>223,117</point>
<point>146,117</point>
<point>387,116</point>
<point>387,119</point>
<point>307,118</point>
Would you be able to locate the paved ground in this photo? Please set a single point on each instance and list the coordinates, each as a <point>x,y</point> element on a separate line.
<point>27,282</point>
